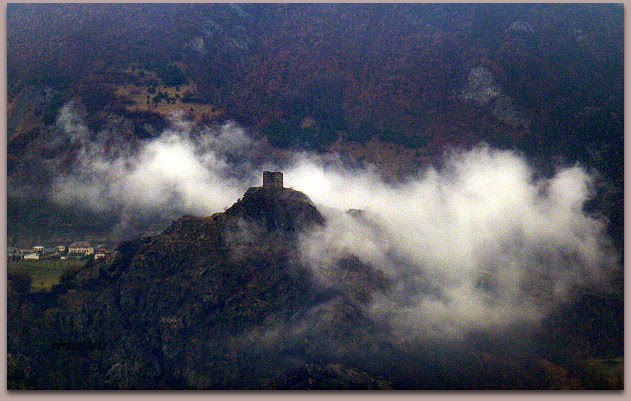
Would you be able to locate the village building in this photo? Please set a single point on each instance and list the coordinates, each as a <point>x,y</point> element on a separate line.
<point>81,247</point>
<point>61,248</point>
<point>99,255</point>
<point>38,248</point>
<point>32,256</point>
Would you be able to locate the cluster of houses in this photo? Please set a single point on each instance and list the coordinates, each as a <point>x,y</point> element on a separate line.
<point>75,250</point>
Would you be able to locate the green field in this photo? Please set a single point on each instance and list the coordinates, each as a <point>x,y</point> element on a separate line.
<point>45,273</point>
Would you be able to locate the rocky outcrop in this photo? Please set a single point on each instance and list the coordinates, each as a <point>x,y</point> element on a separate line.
<point>480,87</point>
<point>482,90</point>
<point>281,209</point>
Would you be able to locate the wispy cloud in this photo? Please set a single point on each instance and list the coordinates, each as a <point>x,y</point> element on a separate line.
<point>477,244</point>
<point>183,170</point>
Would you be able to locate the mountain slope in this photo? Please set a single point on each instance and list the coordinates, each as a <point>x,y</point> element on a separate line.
<point>324,77</point>
<point>226,302</point>
<point>194,307</point>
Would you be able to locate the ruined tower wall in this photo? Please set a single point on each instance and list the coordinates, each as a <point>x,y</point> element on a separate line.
<point>272,179</point>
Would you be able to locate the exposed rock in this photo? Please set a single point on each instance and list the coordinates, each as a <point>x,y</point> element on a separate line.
<point>482,90</point>
<point>282,209</point>
<point>480,87</point>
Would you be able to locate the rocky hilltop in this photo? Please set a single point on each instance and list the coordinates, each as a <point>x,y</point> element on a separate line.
<point>215,302</point>
<point>281,209</point>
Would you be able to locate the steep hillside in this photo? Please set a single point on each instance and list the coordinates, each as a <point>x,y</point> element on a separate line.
<point>203,305</point>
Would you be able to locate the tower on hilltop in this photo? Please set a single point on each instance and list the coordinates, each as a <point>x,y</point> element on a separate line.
<point>272,179</point>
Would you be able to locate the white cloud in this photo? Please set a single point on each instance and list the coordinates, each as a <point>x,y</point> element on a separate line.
<point>181,171</point>
<point>478,244</point>
<point>487,244</point>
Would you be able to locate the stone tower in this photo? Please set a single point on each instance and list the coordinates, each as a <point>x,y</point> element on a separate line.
<point>272,179</point>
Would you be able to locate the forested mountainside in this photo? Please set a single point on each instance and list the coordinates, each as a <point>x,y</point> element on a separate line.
<point>382,84</point>
<point>452,214</point>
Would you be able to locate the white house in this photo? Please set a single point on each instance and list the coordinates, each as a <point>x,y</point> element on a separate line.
<point>81,248</point>
<point>32,256</point>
